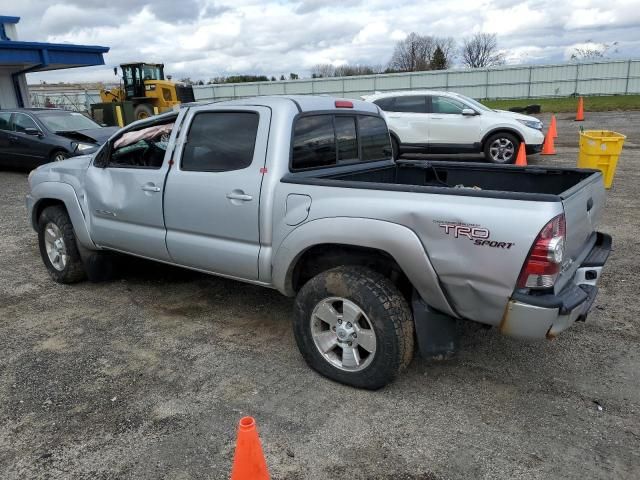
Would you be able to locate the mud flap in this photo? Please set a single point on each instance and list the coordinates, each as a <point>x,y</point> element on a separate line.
<point>438,334</point>
<point>98,265</point>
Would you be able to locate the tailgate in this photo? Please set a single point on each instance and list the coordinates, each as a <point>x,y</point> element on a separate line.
<point>583,205</point>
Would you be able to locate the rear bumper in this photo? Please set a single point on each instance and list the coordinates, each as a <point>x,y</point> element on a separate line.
<point>539,316</point>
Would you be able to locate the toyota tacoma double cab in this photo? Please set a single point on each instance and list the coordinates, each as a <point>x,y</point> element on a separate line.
<point>301,194</point>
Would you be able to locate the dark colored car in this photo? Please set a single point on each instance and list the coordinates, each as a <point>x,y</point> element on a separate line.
<point>32,136</point>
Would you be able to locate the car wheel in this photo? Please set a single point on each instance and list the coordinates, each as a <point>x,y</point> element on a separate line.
<point>59,156</point>
<point>58,248</point>
<point>143,111</point>
<point>395,147</point>
<point>353,326</point>
<point>501,148</point>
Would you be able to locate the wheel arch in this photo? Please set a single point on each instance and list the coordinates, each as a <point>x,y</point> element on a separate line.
<point>48,194</point>
<point>381,245</point>
<point>492,132</point>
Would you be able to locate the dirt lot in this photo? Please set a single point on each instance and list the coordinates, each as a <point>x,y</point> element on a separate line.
<point>146,376</point>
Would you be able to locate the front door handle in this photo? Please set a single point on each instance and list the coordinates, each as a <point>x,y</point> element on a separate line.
<point>150,188</point>
<point>239,195</point>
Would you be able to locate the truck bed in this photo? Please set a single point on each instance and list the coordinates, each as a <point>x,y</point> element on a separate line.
<point>455,178</point>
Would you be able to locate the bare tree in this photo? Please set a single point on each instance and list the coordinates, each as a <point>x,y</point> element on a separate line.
<point>413,54</point>
<point>323,70</point>
<point>593,51</point>
<point>355,70</point>
<point>481,50</point>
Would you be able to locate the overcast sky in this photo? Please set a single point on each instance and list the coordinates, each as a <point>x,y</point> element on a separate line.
<point>205,38</point>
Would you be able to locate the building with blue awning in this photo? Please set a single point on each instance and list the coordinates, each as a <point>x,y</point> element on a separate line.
<point>18,58</point>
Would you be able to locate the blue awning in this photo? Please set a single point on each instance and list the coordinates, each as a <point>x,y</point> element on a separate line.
<point>38,57</point>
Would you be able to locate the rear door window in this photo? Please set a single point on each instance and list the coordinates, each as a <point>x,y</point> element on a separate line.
<point>314,142</point>
<point>410,104</point>
<point>5,121</point>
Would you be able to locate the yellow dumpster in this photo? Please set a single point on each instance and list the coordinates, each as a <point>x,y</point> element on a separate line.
<point>600,149</point>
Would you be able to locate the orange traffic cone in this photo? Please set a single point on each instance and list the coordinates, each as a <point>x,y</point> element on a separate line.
<point>521,159</point>
<point>248,461</point>
<point>553,127</point>
<point>580,113</point>
<point>548,147</point>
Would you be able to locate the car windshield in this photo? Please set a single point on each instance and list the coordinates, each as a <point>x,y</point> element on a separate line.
<point>473,102</point>
<point>66,121</point>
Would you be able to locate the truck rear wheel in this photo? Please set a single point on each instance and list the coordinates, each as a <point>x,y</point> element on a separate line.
<point>58,248</point>
<point>353,326</point>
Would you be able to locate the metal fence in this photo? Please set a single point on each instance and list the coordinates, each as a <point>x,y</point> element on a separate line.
<point>76,100</point>
<point>616,77</point>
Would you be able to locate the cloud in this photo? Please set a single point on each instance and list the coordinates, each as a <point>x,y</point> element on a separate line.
<point>207,38</point>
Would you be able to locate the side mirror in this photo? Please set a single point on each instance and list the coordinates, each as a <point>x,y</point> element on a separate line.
<point>469,112</point>
<point>32,131</point>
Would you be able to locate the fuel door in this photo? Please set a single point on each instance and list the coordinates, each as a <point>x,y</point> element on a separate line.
<point>297,208</point>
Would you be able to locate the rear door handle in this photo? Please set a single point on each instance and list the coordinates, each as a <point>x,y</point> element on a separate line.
<point>239,195</point>
<point>150,188</point>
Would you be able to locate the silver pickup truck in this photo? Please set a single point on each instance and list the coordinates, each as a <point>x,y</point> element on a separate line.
<point>301,194</point>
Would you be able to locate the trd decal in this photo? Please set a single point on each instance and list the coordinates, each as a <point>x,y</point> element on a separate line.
<point>480,236</point>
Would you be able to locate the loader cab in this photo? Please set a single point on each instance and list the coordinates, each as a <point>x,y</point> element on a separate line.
<point>135,74</point>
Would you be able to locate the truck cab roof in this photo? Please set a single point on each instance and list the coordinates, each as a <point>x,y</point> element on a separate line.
<point>303,103</point>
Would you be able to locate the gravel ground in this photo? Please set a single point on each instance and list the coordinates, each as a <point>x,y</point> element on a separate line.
<point>147,376</point>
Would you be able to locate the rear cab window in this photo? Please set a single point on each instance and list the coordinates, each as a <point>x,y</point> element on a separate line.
<point>328,139</point>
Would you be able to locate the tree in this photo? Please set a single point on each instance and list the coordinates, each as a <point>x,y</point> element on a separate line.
<point>439,61</point>
<point>186,81</point>
<point>293,76</point>
<point>481,50</point>
<point>282,77</point>
<point>323,70</point>
<point>593,51</point>
<point>413,53</point>
<point>273,79</point>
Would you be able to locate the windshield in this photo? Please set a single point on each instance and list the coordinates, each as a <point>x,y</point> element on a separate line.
<point>473,102</point>
<point>66,121</point>
<point>151,72</point>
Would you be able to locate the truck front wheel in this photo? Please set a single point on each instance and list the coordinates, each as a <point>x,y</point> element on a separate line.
<point>58,248</point>
<point>353,326</point>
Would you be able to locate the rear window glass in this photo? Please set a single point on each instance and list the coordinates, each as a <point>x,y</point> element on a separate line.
<point>326,140</point>
<point>347,138</point>
<point>374,138</point>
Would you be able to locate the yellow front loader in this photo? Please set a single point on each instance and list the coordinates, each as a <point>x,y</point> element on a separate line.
<point>144,85</point>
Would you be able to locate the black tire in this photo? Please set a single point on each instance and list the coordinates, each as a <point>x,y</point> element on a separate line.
<point>511,142</point>
<point>386,309</point>
<point>73,270</point>
<point>142,110</point>
<point>58,156</point>
<point>395,148</point>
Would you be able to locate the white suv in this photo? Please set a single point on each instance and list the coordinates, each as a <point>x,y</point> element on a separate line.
<point>426,121</point>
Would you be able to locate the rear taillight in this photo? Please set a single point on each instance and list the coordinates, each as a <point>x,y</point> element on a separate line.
<point>542,267</point>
